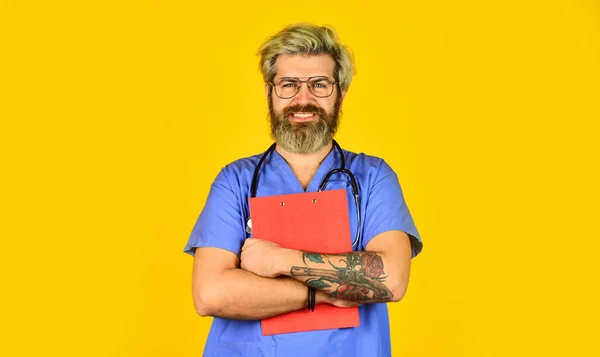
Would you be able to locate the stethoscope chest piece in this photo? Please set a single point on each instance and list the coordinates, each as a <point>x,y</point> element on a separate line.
<point>249,225</point>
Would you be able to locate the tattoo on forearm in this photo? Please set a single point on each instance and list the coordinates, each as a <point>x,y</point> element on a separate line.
<point>356,276</point>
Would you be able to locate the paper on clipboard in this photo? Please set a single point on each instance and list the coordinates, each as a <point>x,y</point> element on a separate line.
<point>314,222</point>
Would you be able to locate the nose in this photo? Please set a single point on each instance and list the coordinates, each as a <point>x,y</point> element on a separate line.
<point>304,95</point>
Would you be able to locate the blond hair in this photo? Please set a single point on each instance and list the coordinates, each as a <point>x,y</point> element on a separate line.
<point>307,40</point>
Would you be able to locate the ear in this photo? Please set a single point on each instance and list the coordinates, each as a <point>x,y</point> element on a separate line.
<point>267,88</point>
<point>343,95</point>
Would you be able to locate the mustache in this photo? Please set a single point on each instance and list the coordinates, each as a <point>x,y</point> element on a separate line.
<point>308,108</point>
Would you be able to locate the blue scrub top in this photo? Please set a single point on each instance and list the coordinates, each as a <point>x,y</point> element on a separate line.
<point>222,224</point>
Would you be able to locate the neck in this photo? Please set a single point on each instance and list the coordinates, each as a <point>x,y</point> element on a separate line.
<point>305,161</point>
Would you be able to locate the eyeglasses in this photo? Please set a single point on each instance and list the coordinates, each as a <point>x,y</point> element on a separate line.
<point>287,87</point>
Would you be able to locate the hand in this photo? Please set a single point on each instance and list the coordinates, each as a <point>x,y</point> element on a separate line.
<point>261,257</point>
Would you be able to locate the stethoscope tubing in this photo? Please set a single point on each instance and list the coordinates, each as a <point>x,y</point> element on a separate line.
<point>342,169</point>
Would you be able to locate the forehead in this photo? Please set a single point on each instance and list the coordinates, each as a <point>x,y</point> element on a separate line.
<point>304,66</point>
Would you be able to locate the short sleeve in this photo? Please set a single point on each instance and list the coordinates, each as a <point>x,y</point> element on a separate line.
<point>386,210</point>
<point>220,224</point>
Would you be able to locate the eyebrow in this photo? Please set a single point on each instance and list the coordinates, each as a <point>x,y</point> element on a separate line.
<point>299,78</point>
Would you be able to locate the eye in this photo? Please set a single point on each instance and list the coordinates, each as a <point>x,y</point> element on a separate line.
<point>288,84</point>
<point>320,83</point>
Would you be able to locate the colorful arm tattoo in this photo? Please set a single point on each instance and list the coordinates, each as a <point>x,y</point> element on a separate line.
<point>356,276</point>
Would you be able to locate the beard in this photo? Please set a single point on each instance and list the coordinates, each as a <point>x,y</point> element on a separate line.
<point>304,137</point>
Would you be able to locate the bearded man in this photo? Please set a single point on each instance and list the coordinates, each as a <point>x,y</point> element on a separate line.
<point>240,280</point>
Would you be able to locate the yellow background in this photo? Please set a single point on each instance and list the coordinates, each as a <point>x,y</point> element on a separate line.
<point>116,117</point>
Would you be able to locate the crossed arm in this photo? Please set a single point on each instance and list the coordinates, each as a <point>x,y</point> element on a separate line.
<point>268,280</point>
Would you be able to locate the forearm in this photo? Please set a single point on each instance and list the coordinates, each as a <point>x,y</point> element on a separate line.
<point>356,276</point>
<point>242,295</point>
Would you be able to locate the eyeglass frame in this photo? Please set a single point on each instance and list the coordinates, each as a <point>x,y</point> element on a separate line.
<point>333,83</point>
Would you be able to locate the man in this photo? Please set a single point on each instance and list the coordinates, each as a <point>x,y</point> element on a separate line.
<point>241,280</point>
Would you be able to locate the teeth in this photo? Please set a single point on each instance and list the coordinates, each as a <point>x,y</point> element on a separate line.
<point>302,115</point>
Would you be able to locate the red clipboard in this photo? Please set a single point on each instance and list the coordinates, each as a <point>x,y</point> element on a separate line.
<point>314,222</point>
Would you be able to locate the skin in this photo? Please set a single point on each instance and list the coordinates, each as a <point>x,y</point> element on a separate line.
<point>389,252</point>
<point>304,67</point>
<point>268,280</point>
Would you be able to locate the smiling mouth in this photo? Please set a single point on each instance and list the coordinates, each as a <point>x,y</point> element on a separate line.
<point>303,115</point>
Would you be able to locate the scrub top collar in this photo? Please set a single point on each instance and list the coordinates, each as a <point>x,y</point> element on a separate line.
<point>329,163</point>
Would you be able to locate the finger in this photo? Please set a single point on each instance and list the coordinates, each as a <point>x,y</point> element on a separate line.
<point>248,242</point>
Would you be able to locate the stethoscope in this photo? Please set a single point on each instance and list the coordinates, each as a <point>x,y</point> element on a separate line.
<point>342,169</point>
